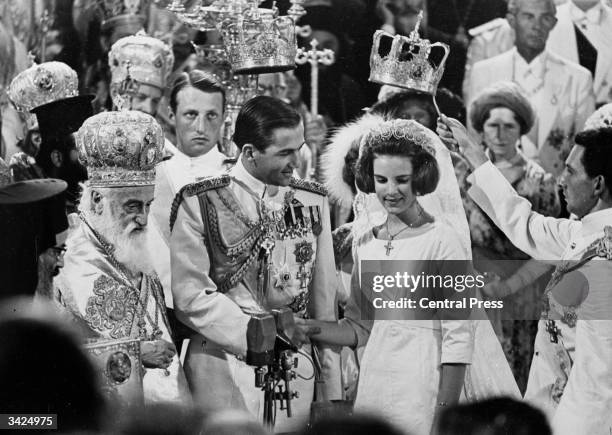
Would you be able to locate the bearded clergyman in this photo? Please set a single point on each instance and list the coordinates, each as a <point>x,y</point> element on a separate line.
<point>108,279</point>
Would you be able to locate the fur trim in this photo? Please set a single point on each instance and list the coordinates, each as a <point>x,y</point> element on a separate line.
<point>332,161</point>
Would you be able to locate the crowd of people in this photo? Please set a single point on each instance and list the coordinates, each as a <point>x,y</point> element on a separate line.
<point>188,250</point>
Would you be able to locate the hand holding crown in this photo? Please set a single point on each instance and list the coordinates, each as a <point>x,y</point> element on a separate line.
<point>456,137</point>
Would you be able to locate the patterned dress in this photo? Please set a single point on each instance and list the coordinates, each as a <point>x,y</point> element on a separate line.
<point>494,253</point>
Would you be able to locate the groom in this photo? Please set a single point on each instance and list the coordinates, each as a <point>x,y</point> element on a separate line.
<point>245,243</point>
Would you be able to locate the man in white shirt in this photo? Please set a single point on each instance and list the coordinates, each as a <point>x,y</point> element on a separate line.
<point>560,91</point>
<point>583,35</point>
<point>579,291</point>
<point>197,101</point>
<point>593,18</point>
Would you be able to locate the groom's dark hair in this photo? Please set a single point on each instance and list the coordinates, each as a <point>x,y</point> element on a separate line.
<point>597,157</point>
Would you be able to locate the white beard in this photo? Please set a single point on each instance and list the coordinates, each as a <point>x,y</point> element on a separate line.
<point>131,251</point>
<point>130,247</point>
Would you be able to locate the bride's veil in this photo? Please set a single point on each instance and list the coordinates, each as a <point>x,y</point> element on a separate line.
<point>444,203</point>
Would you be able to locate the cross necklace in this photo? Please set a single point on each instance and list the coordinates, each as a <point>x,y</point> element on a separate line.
<point>388,245</point>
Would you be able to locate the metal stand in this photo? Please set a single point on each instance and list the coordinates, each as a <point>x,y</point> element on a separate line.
<point>271,380</point>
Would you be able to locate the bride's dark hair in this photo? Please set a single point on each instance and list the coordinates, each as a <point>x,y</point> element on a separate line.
<point>426,173</point>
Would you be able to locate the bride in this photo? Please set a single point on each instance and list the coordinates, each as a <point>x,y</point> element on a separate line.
<point>411,367</point>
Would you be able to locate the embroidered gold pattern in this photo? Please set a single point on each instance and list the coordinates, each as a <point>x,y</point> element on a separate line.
<point>112,308</point>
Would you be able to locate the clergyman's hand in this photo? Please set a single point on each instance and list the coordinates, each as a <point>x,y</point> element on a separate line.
<point>456,137</point>
<point>157,354</point>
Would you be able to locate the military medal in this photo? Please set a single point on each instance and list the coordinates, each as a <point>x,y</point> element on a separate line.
<point>315,216</point>
<point>303,252</point>
<point>282,277</point>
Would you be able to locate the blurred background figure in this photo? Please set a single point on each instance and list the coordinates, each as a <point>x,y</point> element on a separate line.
<point>582,35</point>
<point>44,370</point>
<point>560,91</point>
<point>232,422</point>
<point>33,227</point>
<point>582,31</point>
<point>353,425</point>
<point>500,416</point>
<point>165,419</point>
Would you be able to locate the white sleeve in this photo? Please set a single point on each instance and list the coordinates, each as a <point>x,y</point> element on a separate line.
<point>543,238</point>
<point>196,300</point>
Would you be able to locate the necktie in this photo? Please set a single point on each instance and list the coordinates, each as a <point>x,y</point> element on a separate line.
<point>587,53</point>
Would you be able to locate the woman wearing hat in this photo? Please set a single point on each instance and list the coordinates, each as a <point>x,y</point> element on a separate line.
<point>501,114</point>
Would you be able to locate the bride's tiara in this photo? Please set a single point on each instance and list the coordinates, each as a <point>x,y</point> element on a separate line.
<point>402,129</point>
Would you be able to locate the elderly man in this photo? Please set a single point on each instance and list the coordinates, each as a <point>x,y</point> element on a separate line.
<point>579,291</point>
<point>560,91</point>
<point>108,279</point>
<point>583,30</point>
<point>248,242</point>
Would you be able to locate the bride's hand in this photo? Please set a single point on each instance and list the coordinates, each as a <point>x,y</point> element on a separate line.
<point>456,136</point>
<point>307,327</point>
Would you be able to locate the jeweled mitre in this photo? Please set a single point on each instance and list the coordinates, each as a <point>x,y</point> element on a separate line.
<point>120,148</point>
<point>147,60</point>
<point>43,84</point>
<point>411,62</point>
<point>261,44</point>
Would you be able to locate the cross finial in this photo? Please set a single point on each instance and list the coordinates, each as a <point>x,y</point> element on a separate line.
<point>31,58</point>
<point>415,33</point>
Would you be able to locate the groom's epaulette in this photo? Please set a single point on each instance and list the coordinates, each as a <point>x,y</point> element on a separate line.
<point>601,247</point>
<point>194,189</point>
<point>202,186</point>
<point>310,186</point>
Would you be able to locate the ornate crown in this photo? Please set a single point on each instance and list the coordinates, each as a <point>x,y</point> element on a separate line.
<point>42,84</point>
<point>409,63</point>
<point>260,43</point>
<point>238,88</point>
<point>120,148</point>
<point>141,58</point>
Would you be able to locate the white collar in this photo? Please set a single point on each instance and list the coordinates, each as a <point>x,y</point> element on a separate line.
<point>240,173</point>
<point>592,15</point>
<point>536,65</point>
<point>595,222</point>
<point>212,155</point>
